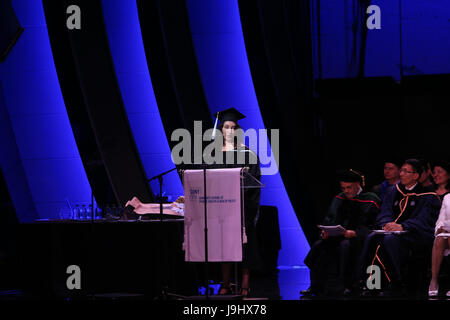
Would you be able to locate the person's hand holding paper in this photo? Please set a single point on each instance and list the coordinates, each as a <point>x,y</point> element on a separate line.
<point>392,226</point>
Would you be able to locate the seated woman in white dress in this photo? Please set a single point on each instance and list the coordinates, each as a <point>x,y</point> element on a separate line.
<point>441,245</point>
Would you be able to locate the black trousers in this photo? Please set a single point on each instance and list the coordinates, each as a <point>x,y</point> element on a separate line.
<point>394,252</point>
<point>333,264</point>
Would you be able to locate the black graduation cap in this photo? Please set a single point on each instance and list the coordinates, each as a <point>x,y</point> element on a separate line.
<point>230,114</point>
<point>350,175</point>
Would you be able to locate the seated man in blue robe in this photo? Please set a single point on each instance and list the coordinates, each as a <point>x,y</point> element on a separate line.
<point>407,217</point>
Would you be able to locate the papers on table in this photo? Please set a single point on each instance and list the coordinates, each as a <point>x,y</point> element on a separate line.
<point>173,209</point>
<point>333,231</point>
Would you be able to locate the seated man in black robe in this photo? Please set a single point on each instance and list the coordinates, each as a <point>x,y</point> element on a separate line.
<point>407,216</point>
<point>333,259</point>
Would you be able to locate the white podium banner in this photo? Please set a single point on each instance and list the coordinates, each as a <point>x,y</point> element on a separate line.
<point>223,215</point>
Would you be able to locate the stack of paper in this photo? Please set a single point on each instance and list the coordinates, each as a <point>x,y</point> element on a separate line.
<point>389,232</point>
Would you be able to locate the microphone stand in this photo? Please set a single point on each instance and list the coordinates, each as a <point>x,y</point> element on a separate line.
<point>160,179</point>
<point>206,235</point>
<point>164,292</point>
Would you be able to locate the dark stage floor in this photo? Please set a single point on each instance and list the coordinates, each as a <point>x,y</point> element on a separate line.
<point>285,285</point>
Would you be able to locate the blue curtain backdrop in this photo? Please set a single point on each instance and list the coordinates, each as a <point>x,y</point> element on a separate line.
<point>424,38</point>
<point>46,147</point>
<point>127,50</point>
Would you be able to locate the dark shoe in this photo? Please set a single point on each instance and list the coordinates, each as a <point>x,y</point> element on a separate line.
<point>391,292</point>
<point>245,292</point>
<point>397,290</point>
<point>347,292</point>
<point>366,293</point>
<point>224,291</point>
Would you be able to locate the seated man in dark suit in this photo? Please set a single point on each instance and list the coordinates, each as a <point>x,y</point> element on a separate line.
<point>333,259</point>
<point>407,215</point>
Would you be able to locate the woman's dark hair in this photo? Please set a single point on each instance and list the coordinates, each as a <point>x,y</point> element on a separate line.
<point>220,127</point>
<point>444,165</point>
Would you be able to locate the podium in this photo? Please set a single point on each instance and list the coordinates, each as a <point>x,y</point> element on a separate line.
<point>214,204</point>
<point>224,216</point>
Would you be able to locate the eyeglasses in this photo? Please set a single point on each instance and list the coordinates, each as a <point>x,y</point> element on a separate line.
<point>406,171</point>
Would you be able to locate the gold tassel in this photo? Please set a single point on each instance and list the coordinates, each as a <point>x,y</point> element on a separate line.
<point>363,179</point>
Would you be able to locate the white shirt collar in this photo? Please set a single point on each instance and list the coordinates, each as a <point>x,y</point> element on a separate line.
<point>359,191</point>
<point>409,189</point>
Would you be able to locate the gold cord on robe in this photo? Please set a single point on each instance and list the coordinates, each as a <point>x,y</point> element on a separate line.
<point>402,204</point>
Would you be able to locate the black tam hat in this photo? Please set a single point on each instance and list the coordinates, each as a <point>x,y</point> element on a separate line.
<point>350,175</point>
<point>230,114</point>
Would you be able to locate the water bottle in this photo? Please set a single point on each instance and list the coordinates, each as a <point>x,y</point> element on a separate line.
<point>83,212</point>
<point>89,213</point>
<point>113,210</point>
<point>107,212</point>
<point>98,213</point>
<point>76,213</point>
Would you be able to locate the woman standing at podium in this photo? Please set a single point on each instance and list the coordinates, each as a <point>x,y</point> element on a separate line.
<point>231,148</point>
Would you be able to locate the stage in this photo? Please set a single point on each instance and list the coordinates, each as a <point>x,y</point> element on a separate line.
<point>135,257</point>
<point>134,261</point>
<point>126,259</point>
